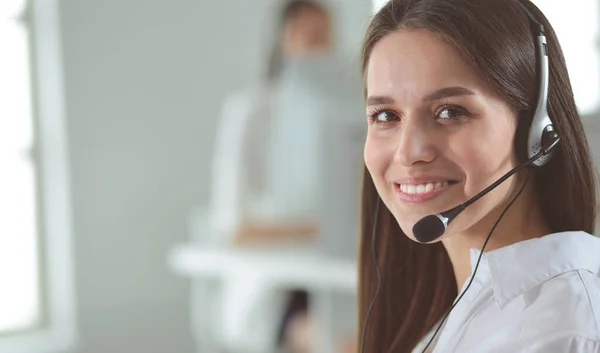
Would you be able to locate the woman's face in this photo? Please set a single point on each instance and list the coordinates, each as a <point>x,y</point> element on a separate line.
<point>438,135</point>
<point>307,32</point>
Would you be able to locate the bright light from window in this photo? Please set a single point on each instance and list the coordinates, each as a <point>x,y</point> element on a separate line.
<point>19,278</point>
<point>11,8</point>
<point>576,25</point>
<point>378,4</point>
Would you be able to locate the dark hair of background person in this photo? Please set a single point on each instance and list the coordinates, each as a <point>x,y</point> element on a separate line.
<point>496,38</point>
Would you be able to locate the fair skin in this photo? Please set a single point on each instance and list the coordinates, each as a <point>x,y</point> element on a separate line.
<point>433,119</point>
<point>307,32</point>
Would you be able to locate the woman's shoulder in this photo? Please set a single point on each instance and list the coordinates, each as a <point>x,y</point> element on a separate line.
<point>559,315</point>
<point>586,295</point>
<point>558,279</point>
<point>250,95</point>
<point>568,303</point>
<point>242,105</point>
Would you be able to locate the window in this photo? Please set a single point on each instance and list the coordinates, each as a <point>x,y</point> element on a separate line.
<point>36,288</point>
<point>576,25</point>
<point>19,275</point>
<point>378,4</point>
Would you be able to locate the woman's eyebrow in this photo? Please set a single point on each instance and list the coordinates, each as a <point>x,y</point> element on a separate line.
<point>436,95</point>
<point>447,92</point>
<point>378,100</point>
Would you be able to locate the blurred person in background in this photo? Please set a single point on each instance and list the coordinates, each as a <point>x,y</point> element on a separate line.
<point>244,208</point>
<point>242,205</point>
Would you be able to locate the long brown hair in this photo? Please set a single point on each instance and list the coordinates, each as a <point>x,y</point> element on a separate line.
<point>418,284</point>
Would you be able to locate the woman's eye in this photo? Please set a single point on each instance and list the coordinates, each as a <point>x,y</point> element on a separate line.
<point>383,117</point>
<point>451,113</point>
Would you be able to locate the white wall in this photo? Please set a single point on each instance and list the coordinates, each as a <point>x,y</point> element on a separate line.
<point>144,82</point>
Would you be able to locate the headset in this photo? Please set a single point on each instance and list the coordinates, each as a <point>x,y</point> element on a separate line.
<point>541,143</point>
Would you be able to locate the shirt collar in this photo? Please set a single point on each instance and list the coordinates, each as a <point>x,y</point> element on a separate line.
<point>519,267</point>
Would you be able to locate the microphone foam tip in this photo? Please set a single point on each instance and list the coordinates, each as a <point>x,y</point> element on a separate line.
<point>428,229</point>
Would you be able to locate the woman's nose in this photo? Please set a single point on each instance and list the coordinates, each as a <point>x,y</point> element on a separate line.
<point>416,143</point>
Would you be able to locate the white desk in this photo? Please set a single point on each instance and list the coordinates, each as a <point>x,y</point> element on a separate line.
<point>278,268</point>
<point>287,268</point>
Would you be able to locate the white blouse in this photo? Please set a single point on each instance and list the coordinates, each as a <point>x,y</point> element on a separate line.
<point>539,295</point>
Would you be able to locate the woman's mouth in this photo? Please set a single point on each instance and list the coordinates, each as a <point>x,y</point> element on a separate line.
<point>421,192</point>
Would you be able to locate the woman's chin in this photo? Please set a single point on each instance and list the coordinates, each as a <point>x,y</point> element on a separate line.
<point>407,227</point>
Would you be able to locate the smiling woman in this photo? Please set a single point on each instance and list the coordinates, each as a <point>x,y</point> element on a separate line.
<point>466,143</point>
<point>453,95</point>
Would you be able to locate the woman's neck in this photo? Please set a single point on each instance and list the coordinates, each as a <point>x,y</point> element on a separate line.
<point>522,221</point>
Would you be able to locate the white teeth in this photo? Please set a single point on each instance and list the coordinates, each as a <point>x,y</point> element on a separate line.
<point>422,188</point>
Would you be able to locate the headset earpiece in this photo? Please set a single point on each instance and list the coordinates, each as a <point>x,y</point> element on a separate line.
<point>541,131</point>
